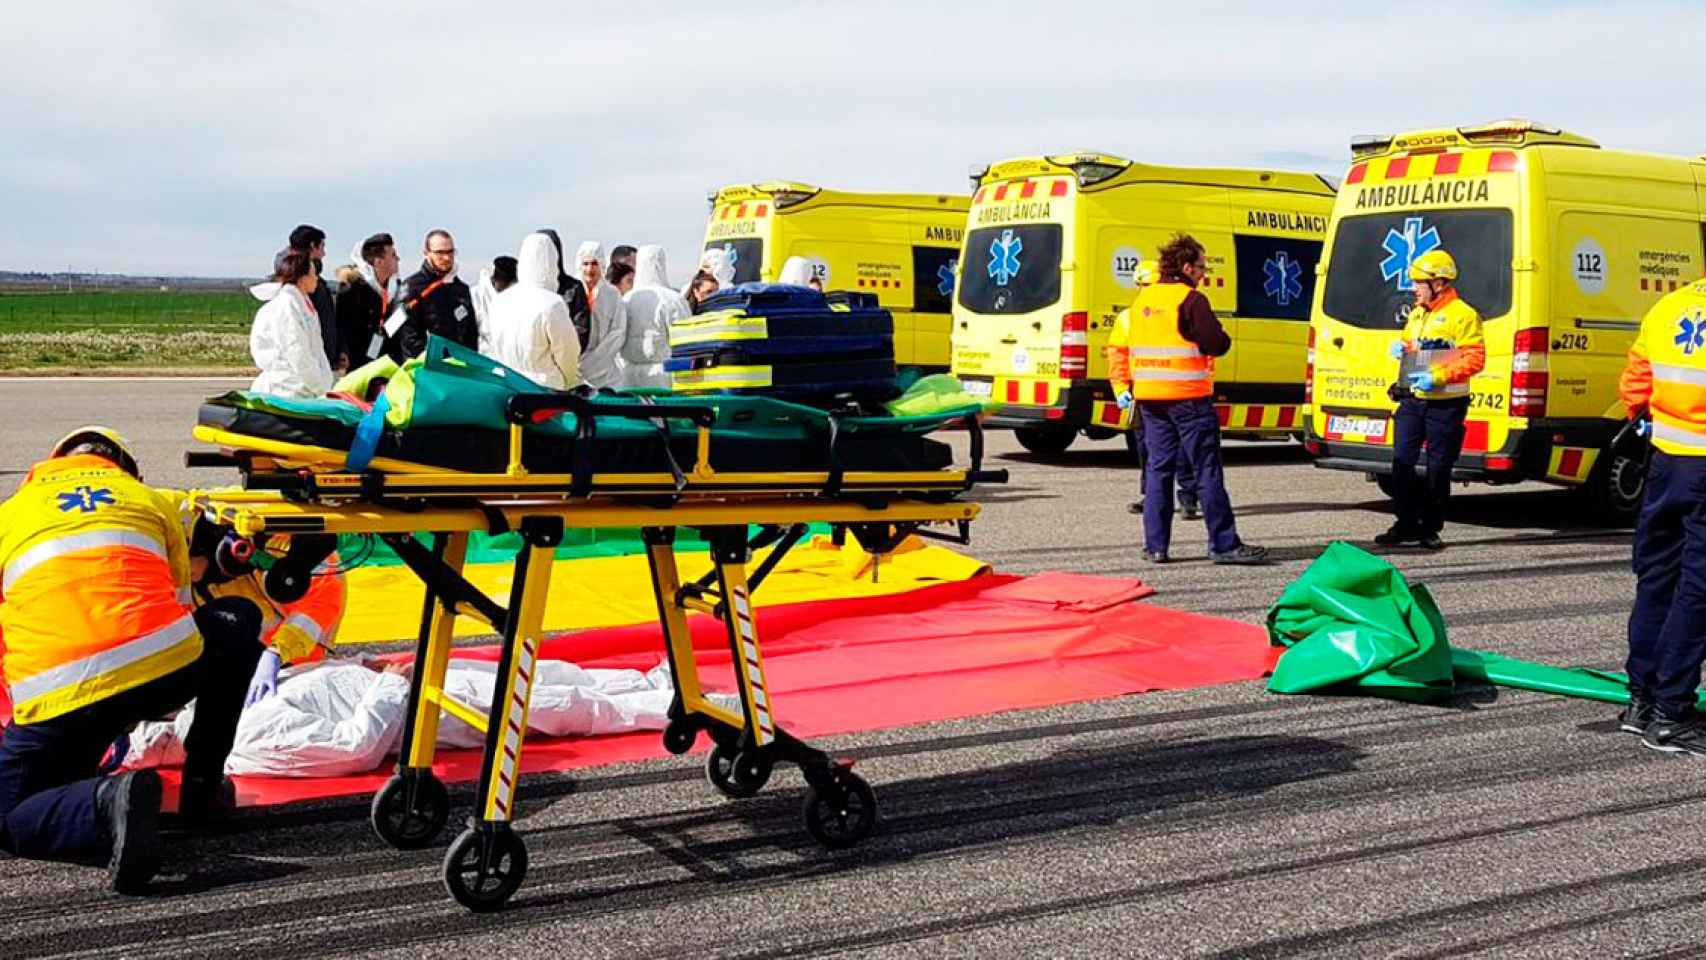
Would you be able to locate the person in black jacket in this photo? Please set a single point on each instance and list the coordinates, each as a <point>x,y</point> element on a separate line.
<point>364,299</point>
<point>572,291</point>
<point>312,241</point>
<point>434,301</point>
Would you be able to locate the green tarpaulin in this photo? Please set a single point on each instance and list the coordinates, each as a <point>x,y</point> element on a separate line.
<point>1352,624</point>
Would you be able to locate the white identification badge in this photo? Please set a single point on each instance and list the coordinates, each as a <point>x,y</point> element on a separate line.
<point>378,345</point>
<point>395,322</point>
<point>461,313</point>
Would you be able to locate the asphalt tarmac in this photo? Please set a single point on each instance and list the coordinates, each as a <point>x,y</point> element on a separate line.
<point>1221,822</point>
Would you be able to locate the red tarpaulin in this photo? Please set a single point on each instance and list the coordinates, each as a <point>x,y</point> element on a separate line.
<point>985,645</point>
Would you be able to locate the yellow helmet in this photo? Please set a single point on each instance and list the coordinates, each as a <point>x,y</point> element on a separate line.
<point>106,437</point>
<point>1433,265</point>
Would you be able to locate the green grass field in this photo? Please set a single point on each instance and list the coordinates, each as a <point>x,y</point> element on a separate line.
<point>128,329</point>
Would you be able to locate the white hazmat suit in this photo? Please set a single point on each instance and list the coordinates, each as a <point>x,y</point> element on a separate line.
<point>652,308</point>
<point>796,271</point>
<point>339,718</point>
<point>601,364</point>
<point>529,327</point>
<point>286,345</point>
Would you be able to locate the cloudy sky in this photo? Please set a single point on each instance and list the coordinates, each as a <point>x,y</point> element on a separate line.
<point>188,137</point>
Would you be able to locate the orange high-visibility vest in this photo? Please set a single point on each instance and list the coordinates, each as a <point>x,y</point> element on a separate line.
<point>1159,363</point>
<point>1670,352</point>
<point>94,587</point>
<point>295,631</point>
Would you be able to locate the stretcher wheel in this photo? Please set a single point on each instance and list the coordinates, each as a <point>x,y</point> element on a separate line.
<point>737,774</point>
<point>843,814</point>
<point>410,810</point>
<point>485,866</point>
<point>678,737</point>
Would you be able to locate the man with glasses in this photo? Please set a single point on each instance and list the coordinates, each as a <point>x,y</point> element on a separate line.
<point>433,300</point>
<point>1163,363</point>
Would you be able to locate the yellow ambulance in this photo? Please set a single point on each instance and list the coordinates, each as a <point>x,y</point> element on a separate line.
<point>1055,247</point>
<point>900,246</point>
<point>1561,245</point>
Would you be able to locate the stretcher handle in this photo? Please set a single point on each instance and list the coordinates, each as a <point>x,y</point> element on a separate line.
<point>528,408</point>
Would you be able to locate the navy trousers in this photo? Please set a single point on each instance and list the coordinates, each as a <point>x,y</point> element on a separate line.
<point>1188,430</point>
<point>1186,480</point>
<point>1667,628</point>
<point>1420,501</point>
<point>48,769</point>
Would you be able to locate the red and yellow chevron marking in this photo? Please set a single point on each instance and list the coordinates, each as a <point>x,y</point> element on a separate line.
<point>1024,189</point>
<point>1657,285</point>
<point>1259,417</point>
<point>1453,163</point>
<point>752,668</point>
<point>1026,391</point>
<point>1237,417</point>
<point>1571,464</point>
<point>515,727</point>
<point>749,210</point>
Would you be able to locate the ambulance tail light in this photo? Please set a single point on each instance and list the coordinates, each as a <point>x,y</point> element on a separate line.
<point>1075,346</point>
<point>1529,372</point>
<point>1309,370</point>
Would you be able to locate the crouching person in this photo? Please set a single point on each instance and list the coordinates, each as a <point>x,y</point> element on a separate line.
<point>99,635</point>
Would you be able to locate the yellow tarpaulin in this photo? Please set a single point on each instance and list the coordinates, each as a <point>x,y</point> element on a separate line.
<point>384,603</point>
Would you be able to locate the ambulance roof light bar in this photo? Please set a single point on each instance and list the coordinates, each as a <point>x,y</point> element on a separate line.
<point>784,194</point>
<point>1092,166</point>
<point>1367,145</point>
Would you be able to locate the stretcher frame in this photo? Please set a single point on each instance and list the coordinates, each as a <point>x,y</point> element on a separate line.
<point>487,862</point>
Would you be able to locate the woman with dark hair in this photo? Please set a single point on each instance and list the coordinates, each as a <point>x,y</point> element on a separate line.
<point>703,284</point>
<point>285,339</point>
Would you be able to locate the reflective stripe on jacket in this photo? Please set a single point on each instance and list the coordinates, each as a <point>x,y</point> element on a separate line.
<point>295,631</point>
<point>1447,339</point>
<point>94,580</point>
<point>1148,356</point>
<point>1666,372</point>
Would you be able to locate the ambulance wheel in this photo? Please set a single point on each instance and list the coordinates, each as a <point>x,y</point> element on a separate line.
<point>485,866</point>
<point>410,810</point>
<point>1388,485</point>
<point>678,737</point>
<point>1047,440</point>
<point>842,815</point>
<point>1616,488</point>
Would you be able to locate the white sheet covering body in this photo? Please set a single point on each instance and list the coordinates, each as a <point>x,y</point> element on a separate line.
<point>338,718</point>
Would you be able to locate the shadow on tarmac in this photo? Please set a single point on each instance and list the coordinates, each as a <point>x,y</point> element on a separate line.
<point>1111,455</point>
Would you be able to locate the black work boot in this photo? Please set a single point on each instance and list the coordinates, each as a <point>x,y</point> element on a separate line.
<point>128,805</point>
<point>1398,534</point>
<point>202,801</point>
<point>1243,555</point>
<point>1637,716</point>
<point>1685,736</point>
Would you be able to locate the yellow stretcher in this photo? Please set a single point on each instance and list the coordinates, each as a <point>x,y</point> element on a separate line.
<point>487,862</point>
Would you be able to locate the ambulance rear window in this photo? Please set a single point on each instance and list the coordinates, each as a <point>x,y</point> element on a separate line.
<point>748,256</point>
<point>1011,269</point>
<point>1368,281</point>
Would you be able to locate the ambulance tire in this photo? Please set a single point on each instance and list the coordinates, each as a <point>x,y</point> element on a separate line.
<point>409,816</point>
<point>1615,488</point>
<point>839,822</point>
<point>1388,485</point>
<point>1046,441</point>
<point>485,867</point>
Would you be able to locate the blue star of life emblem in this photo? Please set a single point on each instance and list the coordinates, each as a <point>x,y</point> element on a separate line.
<point>1403,248</point>
<point>1284,279</point>
<point>945,277</point>
<point>1004,257</point>
<point>1691,331</point>
<point>85,498</point>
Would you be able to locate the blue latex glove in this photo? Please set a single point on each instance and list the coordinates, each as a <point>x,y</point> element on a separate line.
<point>1396,351</point>
<point>265,682</point>
<point>1422,380</point>
<point>1124,400</point>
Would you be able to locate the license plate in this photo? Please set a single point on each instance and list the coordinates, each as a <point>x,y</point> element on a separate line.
<point>977,388</point>
<point>1372,428</point>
